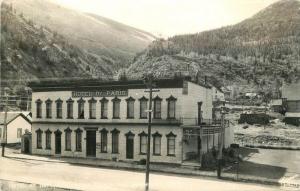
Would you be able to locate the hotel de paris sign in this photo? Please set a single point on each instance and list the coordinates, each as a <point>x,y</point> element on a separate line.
<point>101,93</point>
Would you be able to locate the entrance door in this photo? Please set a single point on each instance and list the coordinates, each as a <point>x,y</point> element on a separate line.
<point>57,142</point>
<point>26,145</point>
<point>91,143</point>
<point>129,147</point>
<point>199,113</point>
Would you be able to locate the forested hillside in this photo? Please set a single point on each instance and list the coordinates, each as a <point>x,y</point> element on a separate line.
<point>262,51</point>
<point>30,51</point>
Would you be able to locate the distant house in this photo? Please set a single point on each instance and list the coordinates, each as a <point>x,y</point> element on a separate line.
<point>276,105</point>
<point>218,95</point>
<point>291,102</point>
<point>17,124</point>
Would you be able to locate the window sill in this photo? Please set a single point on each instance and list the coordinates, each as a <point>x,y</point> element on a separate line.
<point>142,153</point>
<point>171,118</point>
<point>104,152</point>
<point>156,154</point>
<point>115,153</point>
<point>157,118</point>
<point>76,150</point>
<point>116,117</point>
<point>58,117</point>
<point>39,148</point>
<point>80,118</point>
<point>48,149</point>
<point>169,155</point>
<point>143,117</point>
<point>68,150</point>
<point>130,117</point>
<point>70,118</point>
<point>104,118</point>
<point>49,117</point>
<point>92,118</point>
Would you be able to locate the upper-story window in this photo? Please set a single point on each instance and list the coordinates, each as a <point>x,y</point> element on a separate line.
<point>171,107</point>
<point>104,103</point>
<point>157,107</point>
<point>81,108</point>
<point>70,108</point>
<point>38,108</point>
<point>130,107</point>
<point>48,108</point>
<point>116,108</point>
<point>92,108</point>
<point>59,108</point>
<point>143,107</point>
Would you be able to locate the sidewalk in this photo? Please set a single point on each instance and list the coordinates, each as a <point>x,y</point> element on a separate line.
<point>157,168</point>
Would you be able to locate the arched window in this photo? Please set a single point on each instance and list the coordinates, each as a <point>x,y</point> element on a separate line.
<point>130,107</point>
<point>92,108</point>
<point>48,139</point>
<point>143,107</point>
<point>156,143</point>
<point>104,108</point>
<point>171,142</point>
<point>78,139</point>
<point>171,107</point>
<point>39,139</point>
<point>116,108</point>
<point>48,108</point>
<point>103,140</point>
<point>157,107</point>
<point>59,108</point>
<point>115,141</point>
<point>38,108</point>
<point>68,143</point>
<point>70,108</point>
<point>143,143</point>
<point>81,108</point>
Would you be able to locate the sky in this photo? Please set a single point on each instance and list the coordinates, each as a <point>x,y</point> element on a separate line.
<point>165,18</point>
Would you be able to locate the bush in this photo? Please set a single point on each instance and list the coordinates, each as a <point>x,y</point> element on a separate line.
<point>142,162</point>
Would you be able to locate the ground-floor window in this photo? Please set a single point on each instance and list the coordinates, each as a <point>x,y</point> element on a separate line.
<point>143,143</point>
<point>68,132</point>
<point>39,138</point>
<point>78,139</point>
<point>156,143</point>
<point>115,141</point>
<point>171,144</point>
<point>48,139</point>
<point>103,141</point>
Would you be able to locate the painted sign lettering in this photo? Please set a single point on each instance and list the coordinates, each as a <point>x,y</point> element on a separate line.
<point>102,93</point>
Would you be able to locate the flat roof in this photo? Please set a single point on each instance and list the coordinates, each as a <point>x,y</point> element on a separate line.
<point>90,84</point>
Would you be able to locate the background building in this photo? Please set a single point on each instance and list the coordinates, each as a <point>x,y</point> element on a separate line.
<point>17,124</point>
<point>291,102</point>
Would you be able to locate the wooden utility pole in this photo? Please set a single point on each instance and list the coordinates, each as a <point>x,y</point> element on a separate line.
<point>149,82</point>
<point>221,144</point>
<point>4,139</point>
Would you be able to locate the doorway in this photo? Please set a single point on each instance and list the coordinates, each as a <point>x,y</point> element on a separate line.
<point>129,146</point>
<point>58,142</point>
<point>26,145</point>
<point>91,143</point>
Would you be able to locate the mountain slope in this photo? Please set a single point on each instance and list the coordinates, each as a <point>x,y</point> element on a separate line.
<point>29,51</point>
<point>261,51</point>
<point>113,42</point>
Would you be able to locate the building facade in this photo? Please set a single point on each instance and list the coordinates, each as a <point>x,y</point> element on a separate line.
<point>108,120</point>
<point>291,102</point>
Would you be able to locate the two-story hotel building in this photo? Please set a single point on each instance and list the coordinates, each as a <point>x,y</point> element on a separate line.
<point>108,120</point>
